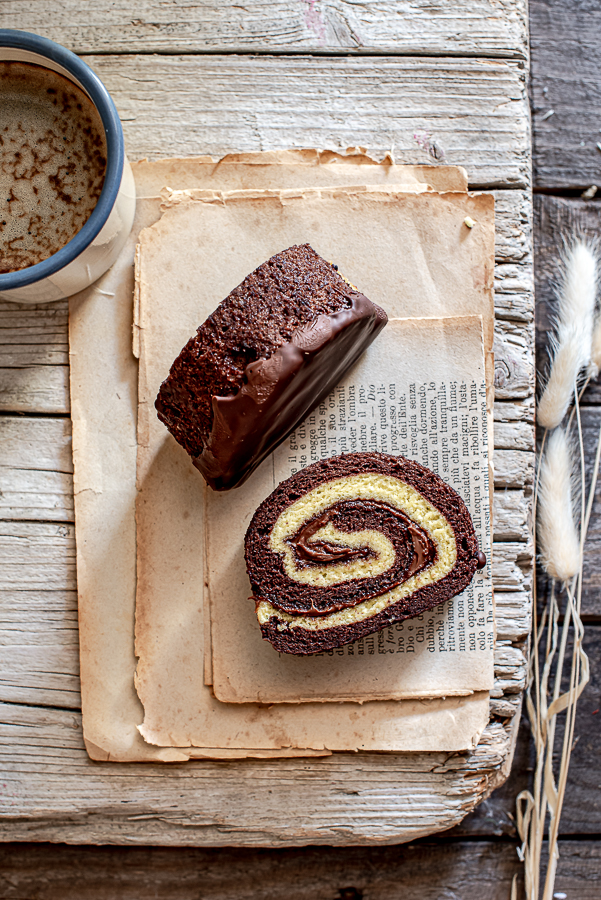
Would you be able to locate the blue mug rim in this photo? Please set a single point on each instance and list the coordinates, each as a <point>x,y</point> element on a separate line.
<point>24,40</point>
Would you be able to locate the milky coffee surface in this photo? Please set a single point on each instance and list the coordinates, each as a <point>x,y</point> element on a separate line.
<point>52,163</point>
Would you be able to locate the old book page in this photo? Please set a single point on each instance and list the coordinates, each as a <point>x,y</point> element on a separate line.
<point>174,299</point>
<point>419,390</point>
<point>104,410</point>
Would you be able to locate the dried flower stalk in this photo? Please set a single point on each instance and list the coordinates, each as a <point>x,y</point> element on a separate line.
<point>560,544</point>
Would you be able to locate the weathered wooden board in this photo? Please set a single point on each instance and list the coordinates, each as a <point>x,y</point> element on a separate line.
<point>36,469</point>
<point>52,791</point>
<point>469,112</point>
<point>494,816</point>
<point>468,27</point>
<point>469,871</point>
<point>464,110</point>
<point>565,61</point>
<point>421,871</point>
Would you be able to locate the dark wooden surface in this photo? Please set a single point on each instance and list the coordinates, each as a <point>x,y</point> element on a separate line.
<point>566,54</point>
<point>423,870</point>
<point>478,858</point>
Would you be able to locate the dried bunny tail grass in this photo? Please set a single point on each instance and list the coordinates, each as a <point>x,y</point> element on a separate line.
<point>572,342</point>
<point>570,356</point>
<point>558,539</point>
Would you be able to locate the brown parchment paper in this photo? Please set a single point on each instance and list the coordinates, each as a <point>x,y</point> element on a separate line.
<point>418,390</point>
<point>173,299</point>
<point>290,169</point>
<point>104,410</point>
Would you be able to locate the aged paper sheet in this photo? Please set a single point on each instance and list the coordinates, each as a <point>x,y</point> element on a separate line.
<point>289,169</point>
<point>419,390</point>
<point>104,403</point>
<point>173,299</point>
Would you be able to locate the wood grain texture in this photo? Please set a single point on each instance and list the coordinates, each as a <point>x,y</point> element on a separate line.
<point>466,111</point>
<point>468,27</point>
<point>471,112</point>
<point>591,600</point>
<point>36,469</point>
<point>423,871</point>
<point>565,60</point>
<point>54,792</point>
<point>33,358</point>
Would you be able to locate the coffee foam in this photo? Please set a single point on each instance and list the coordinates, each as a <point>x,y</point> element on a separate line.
<point>52,163</point>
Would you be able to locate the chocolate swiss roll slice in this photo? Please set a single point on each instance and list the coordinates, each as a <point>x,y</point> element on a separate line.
<point>271,351</point>
<point>352,544</point>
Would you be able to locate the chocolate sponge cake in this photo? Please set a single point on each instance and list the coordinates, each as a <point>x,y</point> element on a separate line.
<point>268,354</point>
<point>352,544</point>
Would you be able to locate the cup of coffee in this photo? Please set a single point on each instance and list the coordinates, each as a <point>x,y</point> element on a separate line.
<point>67,193</point>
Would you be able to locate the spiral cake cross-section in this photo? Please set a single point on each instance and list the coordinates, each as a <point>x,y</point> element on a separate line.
<point>352,544</point>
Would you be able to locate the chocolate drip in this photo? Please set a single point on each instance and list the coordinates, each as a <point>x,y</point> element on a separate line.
<point>481,557</point>
<point>424,551</point>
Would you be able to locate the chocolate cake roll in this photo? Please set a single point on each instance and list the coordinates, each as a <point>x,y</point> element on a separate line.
<point>352,544</point>
<point>271,351</point>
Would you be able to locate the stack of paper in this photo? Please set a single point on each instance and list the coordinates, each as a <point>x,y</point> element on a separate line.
<point>206,684</point>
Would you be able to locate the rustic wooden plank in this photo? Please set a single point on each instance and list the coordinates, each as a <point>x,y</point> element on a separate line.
<point>510,669</point>
<point>472,27</point>
<point>33,335</point>
<point>471,112</point>
<point>243,104</point>
<point>467,870</point>
<point>39,655</point>
<point>511,519</point>
<point>512,566</point>
<point>41,389</point>
<point>423,871</point>
<point>513,226</point>
<point>34,353</point>
<point>565,60</point>
<point>512,615</point>
<point>36,469</point>
<point>37,556</point>
<point>513,468</point>
<point>54,792</point>
<point>514,361</point>
<point>420,870</point>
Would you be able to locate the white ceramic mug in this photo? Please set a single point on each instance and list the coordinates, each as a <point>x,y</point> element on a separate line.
<point>96,246</point>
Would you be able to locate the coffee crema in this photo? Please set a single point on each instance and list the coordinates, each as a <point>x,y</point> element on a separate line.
<point>52,163</point>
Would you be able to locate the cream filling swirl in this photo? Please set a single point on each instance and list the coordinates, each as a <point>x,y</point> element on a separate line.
<point>368,486</point>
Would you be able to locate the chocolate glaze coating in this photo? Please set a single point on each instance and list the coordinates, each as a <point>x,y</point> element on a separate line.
<point>272,585</point>
<point>268,354</point>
